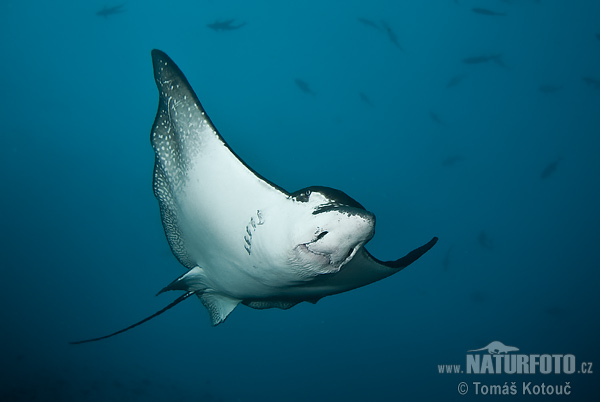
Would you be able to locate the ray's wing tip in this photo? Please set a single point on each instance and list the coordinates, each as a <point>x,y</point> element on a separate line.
<point>159,55</point>
<point>169,78</point>
<point>165,69</point>
<point>409,258</point>
<point>159,61</point>
<point>425,247</point>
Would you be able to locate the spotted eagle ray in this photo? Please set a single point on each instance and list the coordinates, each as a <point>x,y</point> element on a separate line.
<point>242,238</point>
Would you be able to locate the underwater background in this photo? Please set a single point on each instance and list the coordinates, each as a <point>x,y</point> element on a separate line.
<point>477,121</point>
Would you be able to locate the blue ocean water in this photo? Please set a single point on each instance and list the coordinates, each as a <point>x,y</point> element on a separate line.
<point>443,120</point>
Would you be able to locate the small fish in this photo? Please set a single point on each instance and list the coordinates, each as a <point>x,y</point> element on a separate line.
<point>550,169</point>
<point>477,296</point>
<point>477,59</point>
<point>108,11</point>
<point>520,1</point>
<point>369,23</point>
<point>436,118</point>
<point>452,160</point>
<point>454,81</point>
<point>484,240</point>
<point>304,87</point>
<point>365,98</point>
<point>485,11</point>
<point>549,89</point>
<point>447,259</point>
<point>555,311</point>
<point>593,82</point>
<point>224,25</point>
<point>391,35</point>
<point>496,58</point>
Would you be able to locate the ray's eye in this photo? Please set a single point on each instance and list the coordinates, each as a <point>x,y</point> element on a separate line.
<point>303,196</point>
<point>321,235</point>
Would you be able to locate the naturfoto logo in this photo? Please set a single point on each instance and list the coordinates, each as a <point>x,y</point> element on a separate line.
<point>500,360</point>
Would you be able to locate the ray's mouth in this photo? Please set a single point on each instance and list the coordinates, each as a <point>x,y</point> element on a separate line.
<point>350,254</point>
<point>305,247</point>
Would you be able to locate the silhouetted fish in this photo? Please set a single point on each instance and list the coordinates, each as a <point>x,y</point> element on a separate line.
<point>550,169</point>
<point>452,160</point>
<point>477,296</point>
<point>520,1</point>
<point>447,259</point>
<point>454,81</point>
<point>365,98</point>
<point>555,311</point>
<point>484,240</point>
<point>224,25</point>
<point>391,35</point>
<point>369,23</point>
<point>496,58</point>
<point>549,89</point>
<point>485,11</point>
<point>436,118</point>
<point>304,87</point>
<point>108,11</point>
<point>477,59</point>
<point>593,82</point>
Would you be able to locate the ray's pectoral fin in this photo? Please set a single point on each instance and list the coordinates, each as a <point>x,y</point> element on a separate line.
<point>364,269</point>
<point>372,269</point>
<point>409,258</point>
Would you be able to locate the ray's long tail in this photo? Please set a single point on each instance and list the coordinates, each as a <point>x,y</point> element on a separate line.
<point>173,304</point>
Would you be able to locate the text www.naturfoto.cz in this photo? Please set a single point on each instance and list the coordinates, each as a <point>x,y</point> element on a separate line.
<point>449,368</point>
